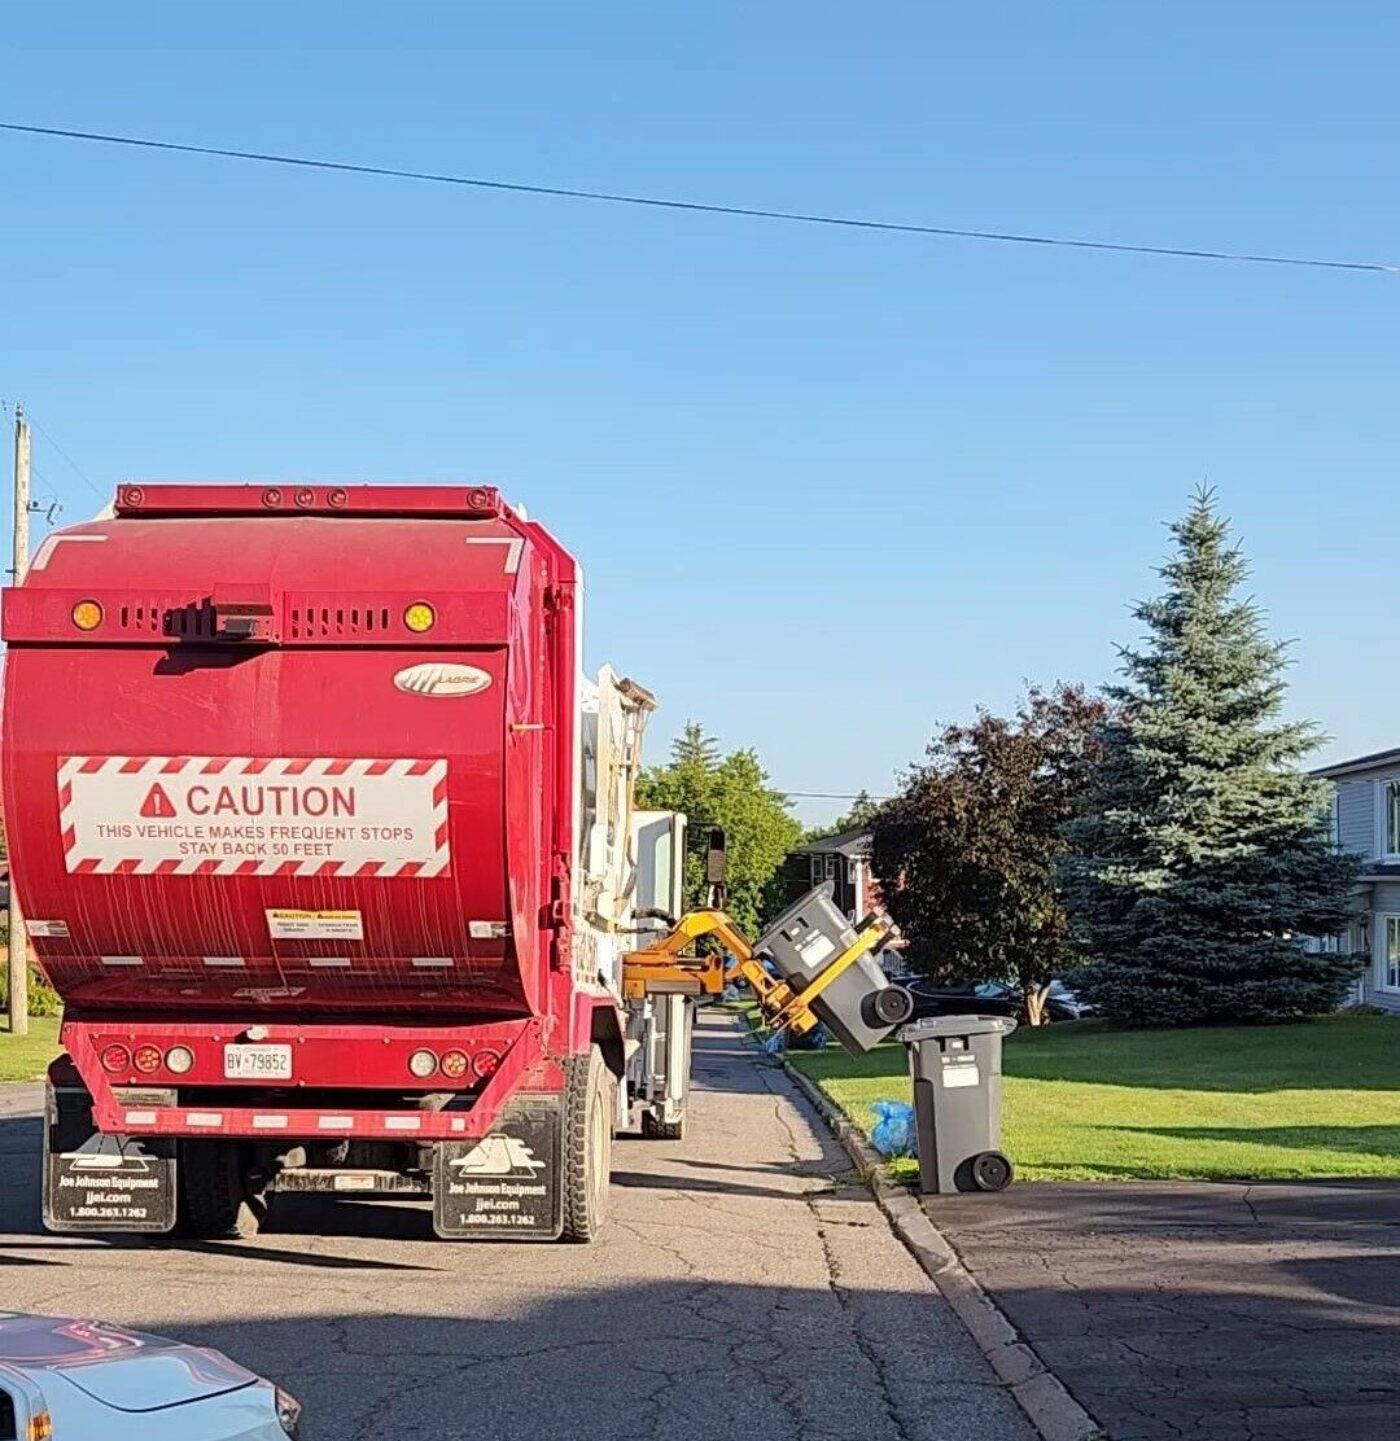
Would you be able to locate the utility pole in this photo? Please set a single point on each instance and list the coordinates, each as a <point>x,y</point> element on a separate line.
<point>19,939</point>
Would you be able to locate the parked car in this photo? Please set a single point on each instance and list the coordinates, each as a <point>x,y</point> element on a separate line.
<point>88,1381</point>
<point>991,998</point>
<point>1066,998</point>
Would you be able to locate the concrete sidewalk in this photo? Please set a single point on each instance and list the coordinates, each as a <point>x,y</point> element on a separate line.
<point>1202,1312</point>
<point>743,1287</point>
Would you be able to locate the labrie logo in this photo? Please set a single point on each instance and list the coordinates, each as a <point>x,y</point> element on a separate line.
<point>442,678</point>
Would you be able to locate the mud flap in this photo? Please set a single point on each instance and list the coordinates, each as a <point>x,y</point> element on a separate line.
<point>103,1183</point>
<point>508,1184</point>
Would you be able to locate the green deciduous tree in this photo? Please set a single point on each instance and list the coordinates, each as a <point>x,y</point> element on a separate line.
<point>1204,853</point>
<point>731,792</point>
<point>968,852</point>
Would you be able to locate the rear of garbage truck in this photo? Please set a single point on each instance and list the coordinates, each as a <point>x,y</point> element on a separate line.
<point>323,840</point>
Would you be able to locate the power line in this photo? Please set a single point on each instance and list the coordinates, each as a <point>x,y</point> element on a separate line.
<point>77,469</point>
<point>834,796</point>
<point>73,464</point>
<point>850,222</point>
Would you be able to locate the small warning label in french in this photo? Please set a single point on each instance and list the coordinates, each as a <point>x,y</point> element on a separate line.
<point>50,930</point>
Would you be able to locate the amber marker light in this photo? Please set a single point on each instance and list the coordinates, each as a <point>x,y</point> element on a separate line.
<point>87,615</point>
<point>419,617</point>
<point>146,1058</point>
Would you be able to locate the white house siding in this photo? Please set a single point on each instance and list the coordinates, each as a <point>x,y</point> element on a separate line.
<point>1356,816</point>
<point>1385,901</point>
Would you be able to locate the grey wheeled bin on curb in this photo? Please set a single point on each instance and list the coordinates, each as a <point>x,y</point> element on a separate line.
<point>956,1066</point>
<point>861,1006</point>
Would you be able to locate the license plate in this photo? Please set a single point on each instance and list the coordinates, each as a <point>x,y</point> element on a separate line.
<point>258,1063</point>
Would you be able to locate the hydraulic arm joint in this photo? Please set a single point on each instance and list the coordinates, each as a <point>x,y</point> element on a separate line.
<point>672,966</point>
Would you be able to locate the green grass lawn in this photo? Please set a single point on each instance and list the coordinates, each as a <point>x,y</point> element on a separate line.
<point>26,1058</point>
<point>1083,1102</point>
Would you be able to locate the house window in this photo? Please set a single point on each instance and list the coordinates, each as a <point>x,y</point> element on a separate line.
<point>1390,796</point>
<point>830,866</point>
<point>816,870</point>
<point>1388,959</point>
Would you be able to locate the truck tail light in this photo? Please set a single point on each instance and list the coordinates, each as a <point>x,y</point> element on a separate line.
<point>454,1065</point>
<point>146,1058</point>
<point>115,1059</point>
<point>422,1064</point>
<point>179,1060</point>
<point>487,1063</point>
<point>40,1427</point>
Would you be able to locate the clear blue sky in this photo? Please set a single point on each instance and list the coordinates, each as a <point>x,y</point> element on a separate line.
<point>829,487</point>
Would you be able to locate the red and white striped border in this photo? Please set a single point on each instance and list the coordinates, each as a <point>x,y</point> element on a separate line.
<point>269,769</point>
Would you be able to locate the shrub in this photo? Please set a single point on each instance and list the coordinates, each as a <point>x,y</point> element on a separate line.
<point>43,999</point>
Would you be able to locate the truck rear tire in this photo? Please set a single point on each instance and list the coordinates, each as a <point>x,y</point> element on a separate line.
<point>589,1104</point>
<point>655,1129</point>
<point>218,1205</point>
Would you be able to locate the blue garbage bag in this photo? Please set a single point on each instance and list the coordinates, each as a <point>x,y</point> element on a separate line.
<point>893,1133</point>
<point>773,1045</point>
<point>813,1040</point>
<point>731,993</point>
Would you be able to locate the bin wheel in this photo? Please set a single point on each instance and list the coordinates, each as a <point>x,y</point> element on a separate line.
<point>893,1005</point>
<point>589,1105</point>
<point>655,1129</point>
<point>991,1171</point>
<point>218,1204</point>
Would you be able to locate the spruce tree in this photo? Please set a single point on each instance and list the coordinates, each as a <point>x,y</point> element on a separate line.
<point>1204,853</point>
<point>694,748</point>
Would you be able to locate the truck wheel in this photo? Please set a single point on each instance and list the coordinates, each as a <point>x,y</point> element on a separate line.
<point>655,1129</point>
<point>218,1206</point>
<point>588,1129</point>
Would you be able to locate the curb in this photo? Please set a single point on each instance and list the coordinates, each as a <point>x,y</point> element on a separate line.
<point>1048,1405</point>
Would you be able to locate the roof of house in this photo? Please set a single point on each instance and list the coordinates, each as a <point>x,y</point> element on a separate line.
<point>854,842</point>
<point>1360,763</point>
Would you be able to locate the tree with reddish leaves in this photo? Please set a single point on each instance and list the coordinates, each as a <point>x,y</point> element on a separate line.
<point>970,850</point>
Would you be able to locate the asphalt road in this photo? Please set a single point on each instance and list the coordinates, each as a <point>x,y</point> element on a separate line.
<point>1183,1311</point>
<point>744,1287</point>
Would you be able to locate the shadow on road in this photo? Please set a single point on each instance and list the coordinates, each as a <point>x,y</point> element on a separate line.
<point>657,1181</point>
<point>669,1359</point>
<point>1212,1312</point>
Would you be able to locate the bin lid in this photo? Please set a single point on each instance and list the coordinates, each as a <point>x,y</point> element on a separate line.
<point>971,1025</point>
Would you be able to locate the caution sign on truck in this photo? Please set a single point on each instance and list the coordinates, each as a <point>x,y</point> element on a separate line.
<point>229,815</point>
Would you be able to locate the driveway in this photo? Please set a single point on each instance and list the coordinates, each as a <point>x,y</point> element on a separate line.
<point>742,1288</point>
<point>1202,1312</point>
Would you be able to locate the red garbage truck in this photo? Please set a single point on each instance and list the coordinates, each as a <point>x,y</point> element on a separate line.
<point>323,838</point>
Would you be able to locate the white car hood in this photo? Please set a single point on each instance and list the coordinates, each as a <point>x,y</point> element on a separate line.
<point>126,1370</point>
